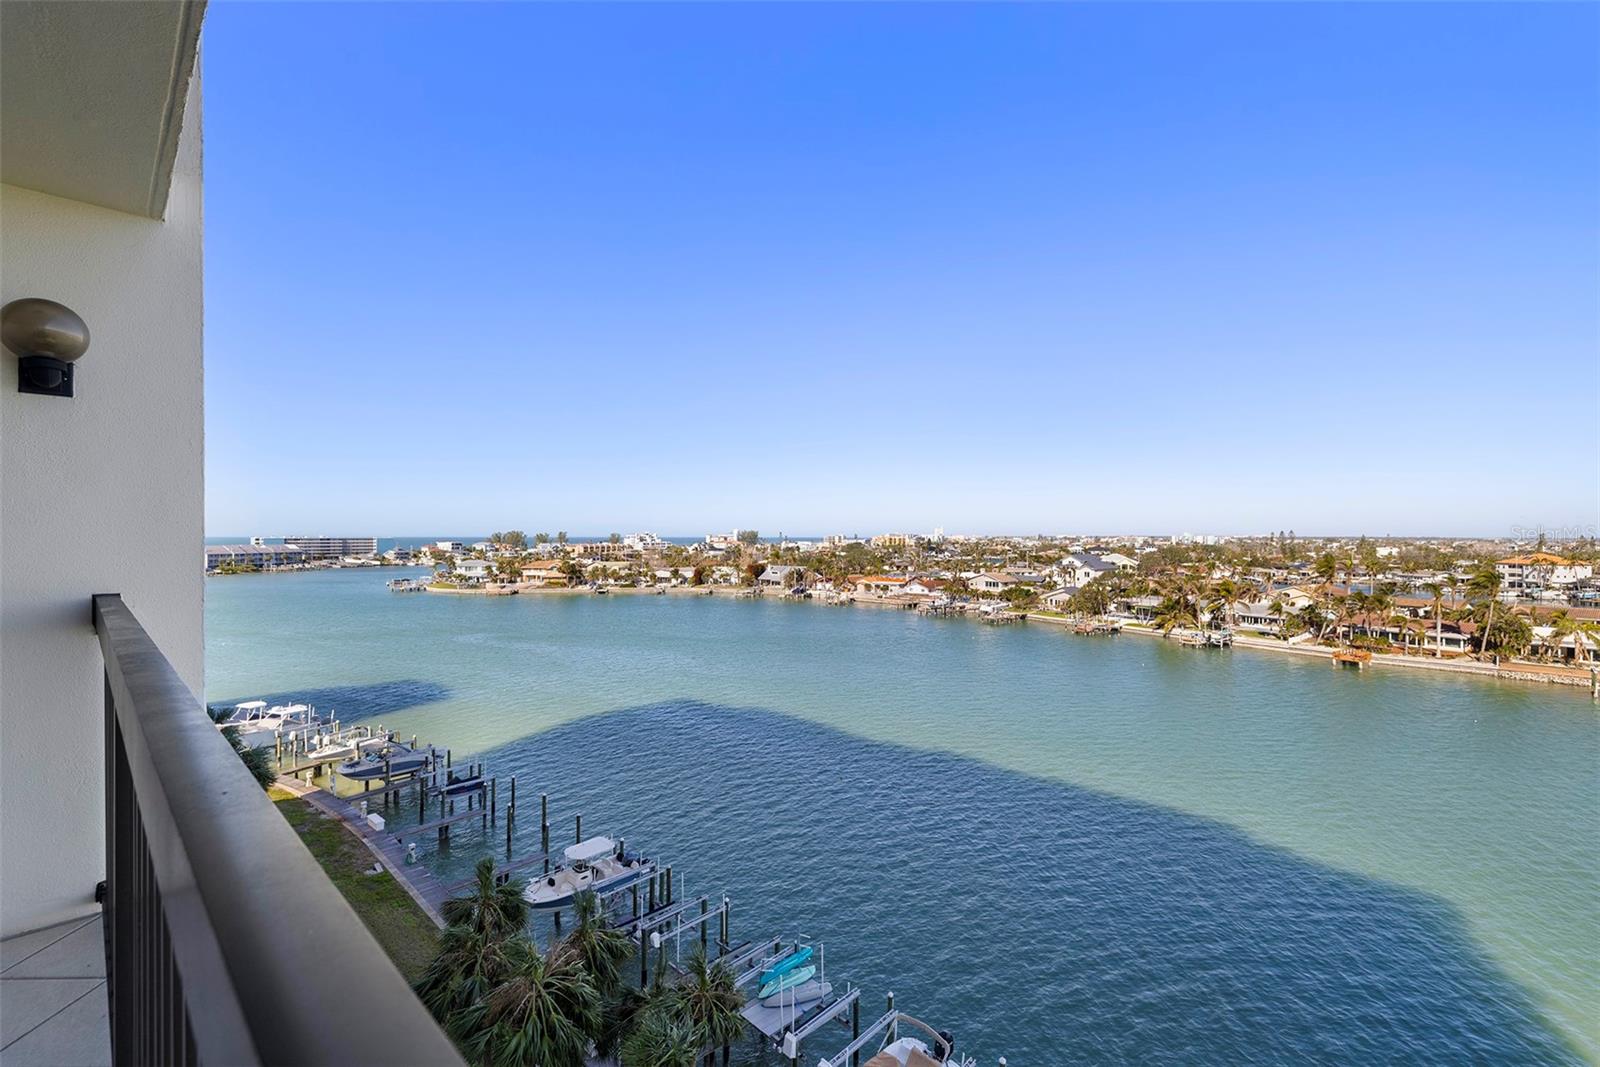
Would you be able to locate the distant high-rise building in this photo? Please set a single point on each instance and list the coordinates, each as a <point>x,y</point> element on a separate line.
<point>334,547</point>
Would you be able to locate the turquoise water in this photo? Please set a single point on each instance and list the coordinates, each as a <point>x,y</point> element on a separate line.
<point>1062,848</point>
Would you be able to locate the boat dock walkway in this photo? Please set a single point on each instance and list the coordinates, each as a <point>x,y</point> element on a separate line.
<point>502,870</point>
<point>423,885</point>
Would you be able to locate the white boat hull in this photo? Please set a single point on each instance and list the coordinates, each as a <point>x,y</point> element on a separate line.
<point>559,888</point>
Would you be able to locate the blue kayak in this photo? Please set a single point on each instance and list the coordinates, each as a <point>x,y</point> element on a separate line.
<point>788,980</point>
<point>788,963</point>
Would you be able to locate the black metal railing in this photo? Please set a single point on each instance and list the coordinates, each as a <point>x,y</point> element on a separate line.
<point>225,942</point>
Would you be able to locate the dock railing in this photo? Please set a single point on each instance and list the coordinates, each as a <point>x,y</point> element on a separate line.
<point>225,941</point>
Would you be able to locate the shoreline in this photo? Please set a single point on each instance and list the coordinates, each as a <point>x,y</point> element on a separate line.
<point>1515,672</point>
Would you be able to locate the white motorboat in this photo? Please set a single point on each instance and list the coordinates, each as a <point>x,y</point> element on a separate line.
<point>593,865</point>
<point>390,759</point>
<point>258,724</point>
<point>325,748</point>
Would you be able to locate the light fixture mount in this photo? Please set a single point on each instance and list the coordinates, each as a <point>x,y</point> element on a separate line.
<point>46,337</point>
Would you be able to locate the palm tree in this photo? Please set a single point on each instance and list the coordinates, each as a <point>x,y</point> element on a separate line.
<point>542,1012</point>
<point>1224,595</point>
<point>464,971</point>
<point>1437,590</point>
<point>662,1039</point>
<point>1177,608</point>
<point>621,1014</point>
<point>1380,607</point>
<point>1582,632</point>
<point>1485,586</point>
<point>709,1000</point>
<point>599,947</point>
<point>494,909</point>
<point>472,950</point>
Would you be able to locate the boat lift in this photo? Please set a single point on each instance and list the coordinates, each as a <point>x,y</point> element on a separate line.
<point>682,924</point>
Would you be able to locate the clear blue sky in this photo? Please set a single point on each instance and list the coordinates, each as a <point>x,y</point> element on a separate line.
<point>827,267</point>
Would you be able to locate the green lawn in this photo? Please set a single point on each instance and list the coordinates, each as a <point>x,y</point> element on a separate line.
<point>401,927</point>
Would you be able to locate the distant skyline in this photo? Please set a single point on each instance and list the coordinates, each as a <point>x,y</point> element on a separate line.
<point>866,268</point>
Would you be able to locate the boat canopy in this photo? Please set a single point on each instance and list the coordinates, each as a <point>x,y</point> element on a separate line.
<point>250,705</point>
<point>589,850</point>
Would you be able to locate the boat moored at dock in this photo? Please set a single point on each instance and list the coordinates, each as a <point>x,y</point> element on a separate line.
<point>384,761</point>
<point>593,865</point>
<point>258,724</point>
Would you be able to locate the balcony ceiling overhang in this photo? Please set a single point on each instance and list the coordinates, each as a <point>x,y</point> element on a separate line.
<point>92,97</point>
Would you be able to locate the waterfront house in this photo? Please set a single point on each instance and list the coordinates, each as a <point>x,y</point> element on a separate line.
<point>925,587</point>
<point>1081,568</point>
<point>1573,647</point>
<point>1292,597</point>
<point>451,547</point>
<point>991,582</point>
<point>1257,615</point>
<point>1538,571</point>
<point>1450,637</point>
<point>781,576</point>
<point>473,569</point>
<point>674,575</point>
<point>1024,574</point>
<point>1141,608</point>
<point>544,572</point>
<point>135,843</point>
<point>1058,599</point>
<point>876,584</point>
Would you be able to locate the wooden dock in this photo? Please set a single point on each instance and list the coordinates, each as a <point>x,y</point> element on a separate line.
<point>504,870</point>
<point>423,885</point>
<point>444,822</point>
<point>1351,657</point>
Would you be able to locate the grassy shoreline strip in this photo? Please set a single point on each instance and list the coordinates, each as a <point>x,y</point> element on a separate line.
<point>395,920</point>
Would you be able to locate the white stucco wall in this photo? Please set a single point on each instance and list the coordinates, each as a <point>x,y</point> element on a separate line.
<point>102,493</point>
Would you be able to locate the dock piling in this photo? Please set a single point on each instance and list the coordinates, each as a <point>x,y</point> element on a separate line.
<point>577,828</point>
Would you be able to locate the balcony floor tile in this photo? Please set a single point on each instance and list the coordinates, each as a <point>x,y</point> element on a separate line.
<point>80,954</point>
<point>27,1002</point>
<point>14,950</point>
<point>77,1036</point>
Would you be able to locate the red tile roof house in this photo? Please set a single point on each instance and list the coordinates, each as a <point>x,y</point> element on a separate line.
<point>877,584</point>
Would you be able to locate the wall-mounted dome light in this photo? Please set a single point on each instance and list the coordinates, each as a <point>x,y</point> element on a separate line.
<point>46,337</point>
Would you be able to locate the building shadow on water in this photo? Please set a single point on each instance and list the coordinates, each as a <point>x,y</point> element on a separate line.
<point>353,702</point>
<point>1044,922</point>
